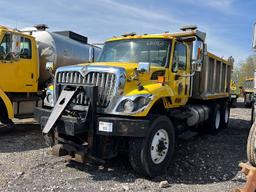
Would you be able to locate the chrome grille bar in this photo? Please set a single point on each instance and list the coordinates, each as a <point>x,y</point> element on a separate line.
<point>105,82</point>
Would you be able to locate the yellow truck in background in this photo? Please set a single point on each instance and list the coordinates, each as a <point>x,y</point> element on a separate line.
<point>233,93</point>
<point>28,59</point>
<point>143,91</point>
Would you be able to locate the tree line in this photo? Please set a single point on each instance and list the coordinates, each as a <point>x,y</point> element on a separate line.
<point>244,70</point>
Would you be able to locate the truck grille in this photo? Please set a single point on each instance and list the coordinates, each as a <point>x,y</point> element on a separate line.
<point>105,82</point>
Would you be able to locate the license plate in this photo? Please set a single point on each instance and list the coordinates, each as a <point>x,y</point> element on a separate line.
<point>105,126</point>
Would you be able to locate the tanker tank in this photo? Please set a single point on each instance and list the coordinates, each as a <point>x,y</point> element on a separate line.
<point>61,49</point>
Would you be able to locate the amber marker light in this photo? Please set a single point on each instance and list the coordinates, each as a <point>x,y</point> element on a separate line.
<point>161,79</point>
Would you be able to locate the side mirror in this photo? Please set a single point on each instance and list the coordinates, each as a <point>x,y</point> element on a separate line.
<point>144,67</point>
<point>254,37</point>
<point>197,55</point>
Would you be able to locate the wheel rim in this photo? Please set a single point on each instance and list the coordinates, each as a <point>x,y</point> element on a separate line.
<point>226,115</point>
<point>159,146</point>
<point>217,120</point>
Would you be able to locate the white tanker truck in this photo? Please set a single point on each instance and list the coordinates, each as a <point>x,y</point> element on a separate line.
<point>28,59</point>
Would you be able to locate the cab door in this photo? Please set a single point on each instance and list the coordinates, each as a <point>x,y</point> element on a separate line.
<point>18,67</point>
<point>28,63</point>
<point>180,70</point>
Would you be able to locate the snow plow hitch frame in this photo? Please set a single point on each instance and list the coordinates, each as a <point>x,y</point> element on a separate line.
<point>66,96</point>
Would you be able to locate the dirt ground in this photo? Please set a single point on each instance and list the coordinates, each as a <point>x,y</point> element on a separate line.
<point>201,163</point>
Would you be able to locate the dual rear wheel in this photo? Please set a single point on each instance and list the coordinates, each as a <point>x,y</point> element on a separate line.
<point>151,155</point>
<point>218,117</point>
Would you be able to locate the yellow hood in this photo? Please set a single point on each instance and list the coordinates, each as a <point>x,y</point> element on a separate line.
<point>129,67</point>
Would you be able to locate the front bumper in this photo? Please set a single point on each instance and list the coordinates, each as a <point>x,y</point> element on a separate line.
<point>128,127</point>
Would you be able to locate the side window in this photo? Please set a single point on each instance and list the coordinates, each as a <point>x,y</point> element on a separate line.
<point>5,47</point>
<point>25,48</point>
<point>179,57</point>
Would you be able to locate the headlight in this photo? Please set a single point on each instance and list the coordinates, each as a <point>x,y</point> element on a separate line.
<point>141,101</point>
<point>134,103</point>
<point>128,106</point>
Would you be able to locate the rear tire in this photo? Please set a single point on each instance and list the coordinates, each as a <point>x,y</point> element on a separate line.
<point>253,115</point>
<point>213,125</point>
<point>247,100</point>
<point>251,145</point>
<point>151,155</point>
<point>233,102</point>
<point>224,116</point>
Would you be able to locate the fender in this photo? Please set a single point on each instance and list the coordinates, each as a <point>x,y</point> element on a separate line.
<point>159,91</point>
<point>7,103</point>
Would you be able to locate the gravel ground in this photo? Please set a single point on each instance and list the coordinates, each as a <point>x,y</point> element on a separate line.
<point>201,163</point>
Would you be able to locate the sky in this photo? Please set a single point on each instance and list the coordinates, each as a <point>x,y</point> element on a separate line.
<point>227,23</point>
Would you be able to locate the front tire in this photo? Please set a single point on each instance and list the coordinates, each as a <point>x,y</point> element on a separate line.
<point>151,155</point>
<point>251,145</point>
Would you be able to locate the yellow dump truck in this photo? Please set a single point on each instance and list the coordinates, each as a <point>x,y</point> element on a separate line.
<point>28,59</point>
<point>233,93</point>
<point>142,92</point>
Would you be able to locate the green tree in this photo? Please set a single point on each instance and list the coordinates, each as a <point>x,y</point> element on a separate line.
<point>244,70</point>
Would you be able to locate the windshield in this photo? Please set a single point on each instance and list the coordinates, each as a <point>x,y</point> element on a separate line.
<point>153,51</point>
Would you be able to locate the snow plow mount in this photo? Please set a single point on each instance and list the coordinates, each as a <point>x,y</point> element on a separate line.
<point>66,96</point>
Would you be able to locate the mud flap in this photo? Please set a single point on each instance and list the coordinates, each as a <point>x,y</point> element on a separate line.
<point>64,99</point>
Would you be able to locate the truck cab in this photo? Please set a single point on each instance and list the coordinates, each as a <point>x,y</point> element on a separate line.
<point>18,55</point>
<point>18,72</point>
